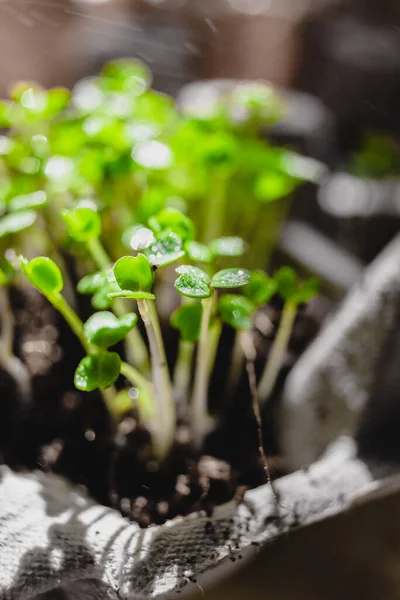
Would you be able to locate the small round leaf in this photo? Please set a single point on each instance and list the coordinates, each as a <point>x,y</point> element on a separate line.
<point>91,283</point>
<point>230,278</point>
<point>274,185</point>
<point>97,371</point>
<point>236,311</point>
<point>198,252</point>
<point>172,220</point>
<point>187,319</point>
<point>192,282</point>
<point>28,201</point>
<point>131,295</point>
<point>260,288</point>
<point>44,274</point>
<point>287,282</point>
<point>104,329</point>
<point>134,273</point>
<point>83,223</point>
<point>165,250</point>
<point>16,222</point>
<point>228,246</point>
<point>307,290</point>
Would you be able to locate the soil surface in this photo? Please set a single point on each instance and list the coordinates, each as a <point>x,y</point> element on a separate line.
<point>72,434</point>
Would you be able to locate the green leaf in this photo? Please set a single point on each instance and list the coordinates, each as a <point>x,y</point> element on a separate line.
<point>16,222</point>
<point>91,283</point>
<point>171,220</point>
<point>138,237</point>
<point>230,278</point>
<point>134,273</point>
<point>3,278</point>
<point>192,282</point>
<point>187,319</point>
<point>152,154</point>
<point>166,250</point>
<point>28,201</point>
<point>126,75</point>
<point>219,151</point>
<point>273,185</point>
<point>198,252</point>
<point>260,288</point>
<point>83,223</point>
<point>151,202</point>
<point>97,371</point>
<point>57,101</point>
<point>194,272</point>
<point>307,290</point>
<point>228,246</point>
<point>236,311</point>
<point>104,329</point>
<point>255,102</point>
<point>287,282</point>
<point>44,274</point>
<point>131,295</point>
<point>5,114</point>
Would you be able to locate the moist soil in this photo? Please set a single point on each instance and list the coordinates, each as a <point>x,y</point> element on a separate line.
<point>71,433</point>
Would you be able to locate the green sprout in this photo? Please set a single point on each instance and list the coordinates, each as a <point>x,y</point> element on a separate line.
<point>293,293</point>
<point>142,197</point>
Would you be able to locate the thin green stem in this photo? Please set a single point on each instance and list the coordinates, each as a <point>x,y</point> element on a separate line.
<point>249,351</point>
<point>199,414</point>
<point>213,341</point>
<point>137,353</point>
<point>11,363</point>
<point>237,363</point>
<point>279,346</point>
<point>215,208</point>
<point>183,374</point>
<point>98,253</point>
<point>76,325</point>
<point>60,304</point>
<point>166,419</point>
<point>134,376</point>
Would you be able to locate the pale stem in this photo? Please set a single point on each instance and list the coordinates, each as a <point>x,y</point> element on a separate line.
<point>183,373</point>
<point>136,349</point>
<point>11,363</point>
<point>237,363</point>
<point>164,434</point>
<point>76,325</point>
<point>279,346</point>
<point>250,357</point>
<point>215,208</point>
<point>213,340</point>
<point>199,413</point>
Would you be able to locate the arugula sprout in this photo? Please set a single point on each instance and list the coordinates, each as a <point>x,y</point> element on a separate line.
<point>127,184</point>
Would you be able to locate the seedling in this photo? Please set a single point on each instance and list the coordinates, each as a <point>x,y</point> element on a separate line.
<point>142,186</point>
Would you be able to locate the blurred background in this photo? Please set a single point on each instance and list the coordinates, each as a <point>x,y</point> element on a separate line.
<point>337,65</point>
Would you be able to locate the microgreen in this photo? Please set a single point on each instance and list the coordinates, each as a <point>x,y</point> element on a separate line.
<point>135,275</point>
<point>227,246</point>
<point>44,274</point>
<point>116,169</point>
<point>193,282</point>
<point>97,371</point>
<point>260,287</point>
<point>104,329</point>
<point>187,319</point>
<point>236,311</point>
<point>171,220</point>
<point>230,278</point>
<point>16,222</point>
<point>83,224</point>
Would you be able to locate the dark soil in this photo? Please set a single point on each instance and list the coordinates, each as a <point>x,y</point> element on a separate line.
<point>71,433</point>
